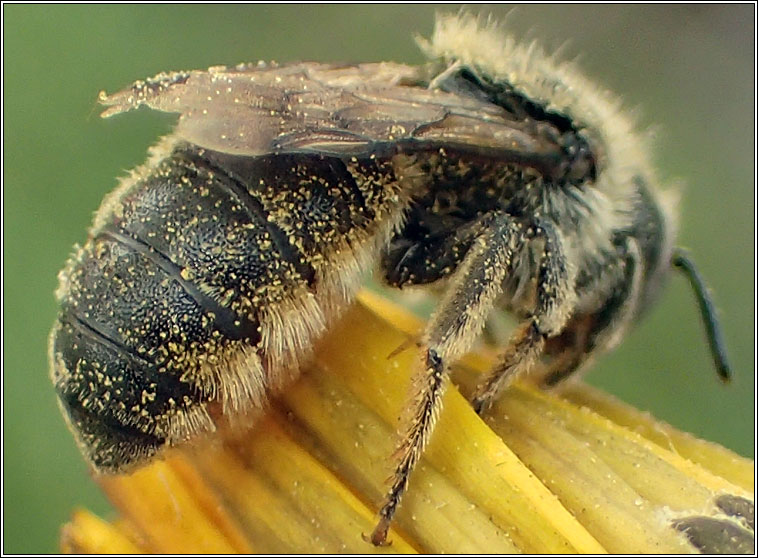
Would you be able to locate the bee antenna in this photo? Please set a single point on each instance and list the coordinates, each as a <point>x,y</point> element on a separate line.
<point>681,260</point>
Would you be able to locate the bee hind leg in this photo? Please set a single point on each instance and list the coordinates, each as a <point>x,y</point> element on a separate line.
<point>459,318</point>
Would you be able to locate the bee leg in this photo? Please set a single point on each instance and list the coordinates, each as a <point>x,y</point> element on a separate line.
<point>570,350</point>
<point>603,329</point>
<point>459,318</point>
<point>419,261</point>
<point>555,302</point>
<point>523,351</point>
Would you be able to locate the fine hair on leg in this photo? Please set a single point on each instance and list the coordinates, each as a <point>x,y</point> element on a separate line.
<point>555,303</point>
<point>458,320</point>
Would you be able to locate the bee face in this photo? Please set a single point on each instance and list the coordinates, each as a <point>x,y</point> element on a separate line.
<point>212,269</point>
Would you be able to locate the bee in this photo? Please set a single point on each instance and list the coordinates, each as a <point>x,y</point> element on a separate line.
<point>493,172</point>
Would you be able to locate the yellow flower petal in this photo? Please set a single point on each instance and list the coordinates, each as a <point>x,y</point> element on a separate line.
<point>173,509</point>
<point>543,473</point>
<point>713,457</point>
<point>88,534</point>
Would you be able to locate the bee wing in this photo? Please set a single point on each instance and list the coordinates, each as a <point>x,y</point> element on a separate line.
<point>335,110</point>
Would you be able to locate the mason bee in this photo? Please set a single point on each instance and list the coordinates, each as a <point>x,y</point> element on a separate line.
<point>493,172</point>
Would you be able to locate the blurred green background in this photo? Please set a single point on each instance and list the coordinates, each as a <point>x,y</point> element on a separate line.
<point>689,69</point>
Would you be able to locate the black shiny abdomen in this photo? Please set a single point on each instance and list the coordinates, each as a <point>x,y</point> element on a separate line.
<point>177,274</point>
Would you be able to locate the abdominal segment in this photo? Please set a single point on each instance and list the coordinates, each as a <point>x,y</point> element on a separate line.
<point>202,289</point>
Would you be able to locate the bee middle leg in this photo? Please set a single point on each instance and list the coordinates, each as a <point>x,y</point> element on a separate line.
<point>554,306</point>
<point>459,318</point>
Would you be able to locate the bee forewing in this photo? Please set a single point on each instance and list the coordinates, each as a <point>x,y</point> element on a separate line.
<point>334,110</point>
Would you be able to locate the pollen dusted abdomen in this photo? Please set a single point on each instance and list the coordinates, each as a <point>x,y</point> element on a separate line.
<point>205,280</point>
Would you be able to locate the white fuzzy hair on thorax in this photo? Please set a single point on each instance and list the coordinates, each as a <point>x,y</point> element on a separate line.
<point>622,151</point>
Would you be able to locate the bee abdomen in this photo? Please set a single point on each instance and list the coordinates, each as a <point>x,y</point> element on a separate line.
<point>225,320</point>
<point>245,199</point>
<point>204,280</point>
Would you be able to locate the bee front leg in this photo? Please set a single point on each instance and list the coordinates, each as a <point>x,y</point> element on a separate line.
<point>459,318</point>
<point>555,303</point>
<point>603,329</point>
